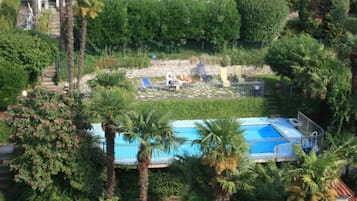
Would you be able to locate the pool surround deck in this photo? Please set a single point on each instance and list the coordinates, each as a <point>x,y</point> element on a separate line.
<point>282,152</point>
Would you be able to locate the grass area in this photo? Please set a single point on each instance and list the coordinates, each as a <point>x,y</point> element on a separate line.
<point>209,108</point>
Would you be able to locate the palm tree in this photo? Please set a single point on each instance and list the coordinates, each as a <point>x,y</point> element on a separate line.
<point>223,148</point>
<point>352,46</point>
<point>112,79</point>
<point>153,131</point>
<point>70,41</point>
<point>310,177</point>
<point>107,104</point>
<point>85,8</point>
<point>345,146</point>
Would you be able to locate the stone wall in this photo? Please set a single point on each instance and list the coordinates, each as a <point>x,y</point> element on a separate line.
<point>160,68</point>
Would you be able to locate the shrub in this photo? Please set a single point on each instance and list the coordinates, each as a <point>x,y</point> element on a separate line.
<point>223,23</point>
<point>110,28</point>
<point>351,25</point>
<point>247,56</point>
<point>13,79</point>
<point>334,20</point>
<point>133,61</point>
<point>163,185</point>
<point>31,51</point>
<point>262,21</point>
<point>218,108</point>
<point>166,24</point>
<point>353,6</point>
<point>44,138</point>
<point>285,53</point>
<point>8,14</point>
<point>43,22</point>
<point>112,79</point>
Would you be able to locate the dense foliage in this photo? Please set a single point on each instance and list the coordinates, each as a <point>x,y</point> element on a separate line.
<point>288,52</point>
<point>324,20</point>
<point>315,71</point>
<point>310,176</point>
<point>247,56</point>
<point>163,184</point>
<point>13,79</point>
<point>8,14</point>
<point>164,24</point>
<point>31,51</point>
<point>262,21</point>
<point>218,108</point>
<point>51,151</point>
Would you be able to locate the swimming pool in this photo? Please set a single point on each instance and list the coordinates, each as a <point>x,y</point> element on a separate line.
<point>264,137</point>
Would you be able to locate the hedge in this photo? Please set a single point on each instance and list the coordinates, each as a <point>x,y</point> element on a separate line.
<point>209,109</point>
<point>165,24</point>
<point>262,20</point>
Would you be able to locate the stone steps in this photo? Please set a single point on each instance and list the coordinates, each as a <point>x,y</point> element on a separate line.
<point>6,152</point>
<point>48,79</point>
<point>54,23</point>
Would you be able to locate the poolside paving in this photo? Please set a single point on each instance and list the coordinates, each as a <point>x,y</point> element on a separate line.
<point>198,90</point>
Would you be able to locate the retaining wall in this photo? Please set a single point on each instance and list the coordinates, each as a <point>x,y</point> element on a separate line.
<point>160,68</point>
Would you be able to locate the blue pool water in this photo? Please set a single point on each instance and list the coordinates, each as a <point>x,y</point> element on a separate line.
<point>260,138</point>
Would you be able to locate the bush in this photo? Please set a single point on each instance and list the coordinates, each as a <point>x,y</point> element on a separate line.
<point>133,61</point>
<point>44,136</point>
<point>31,51</point>
<point>223,23</point>
<point>164,185</point>
<point>13,79</point>
<point>353,6</point>
<point>262,21</point>
<point>8,14</point>
<point>334,27</point>
<point>247,56</point>
<point>166,24</point>
<point>218,108</point>
<point>351,24</point>
<point>110,28</point>
<point>285,53</point>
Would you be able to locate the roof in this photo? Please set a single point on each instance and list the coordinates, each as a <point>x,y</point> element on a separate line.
<point>343,190</point>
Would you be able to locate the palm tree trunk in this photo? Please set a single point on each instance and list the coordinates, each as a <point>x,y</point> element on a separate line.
<point>70,42</point>
<point>82,50</point>
<point>62,13</point>
<point>221,195</point>
<point>143,168</point>
<point>353,60</point>
<point>109,129</point>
